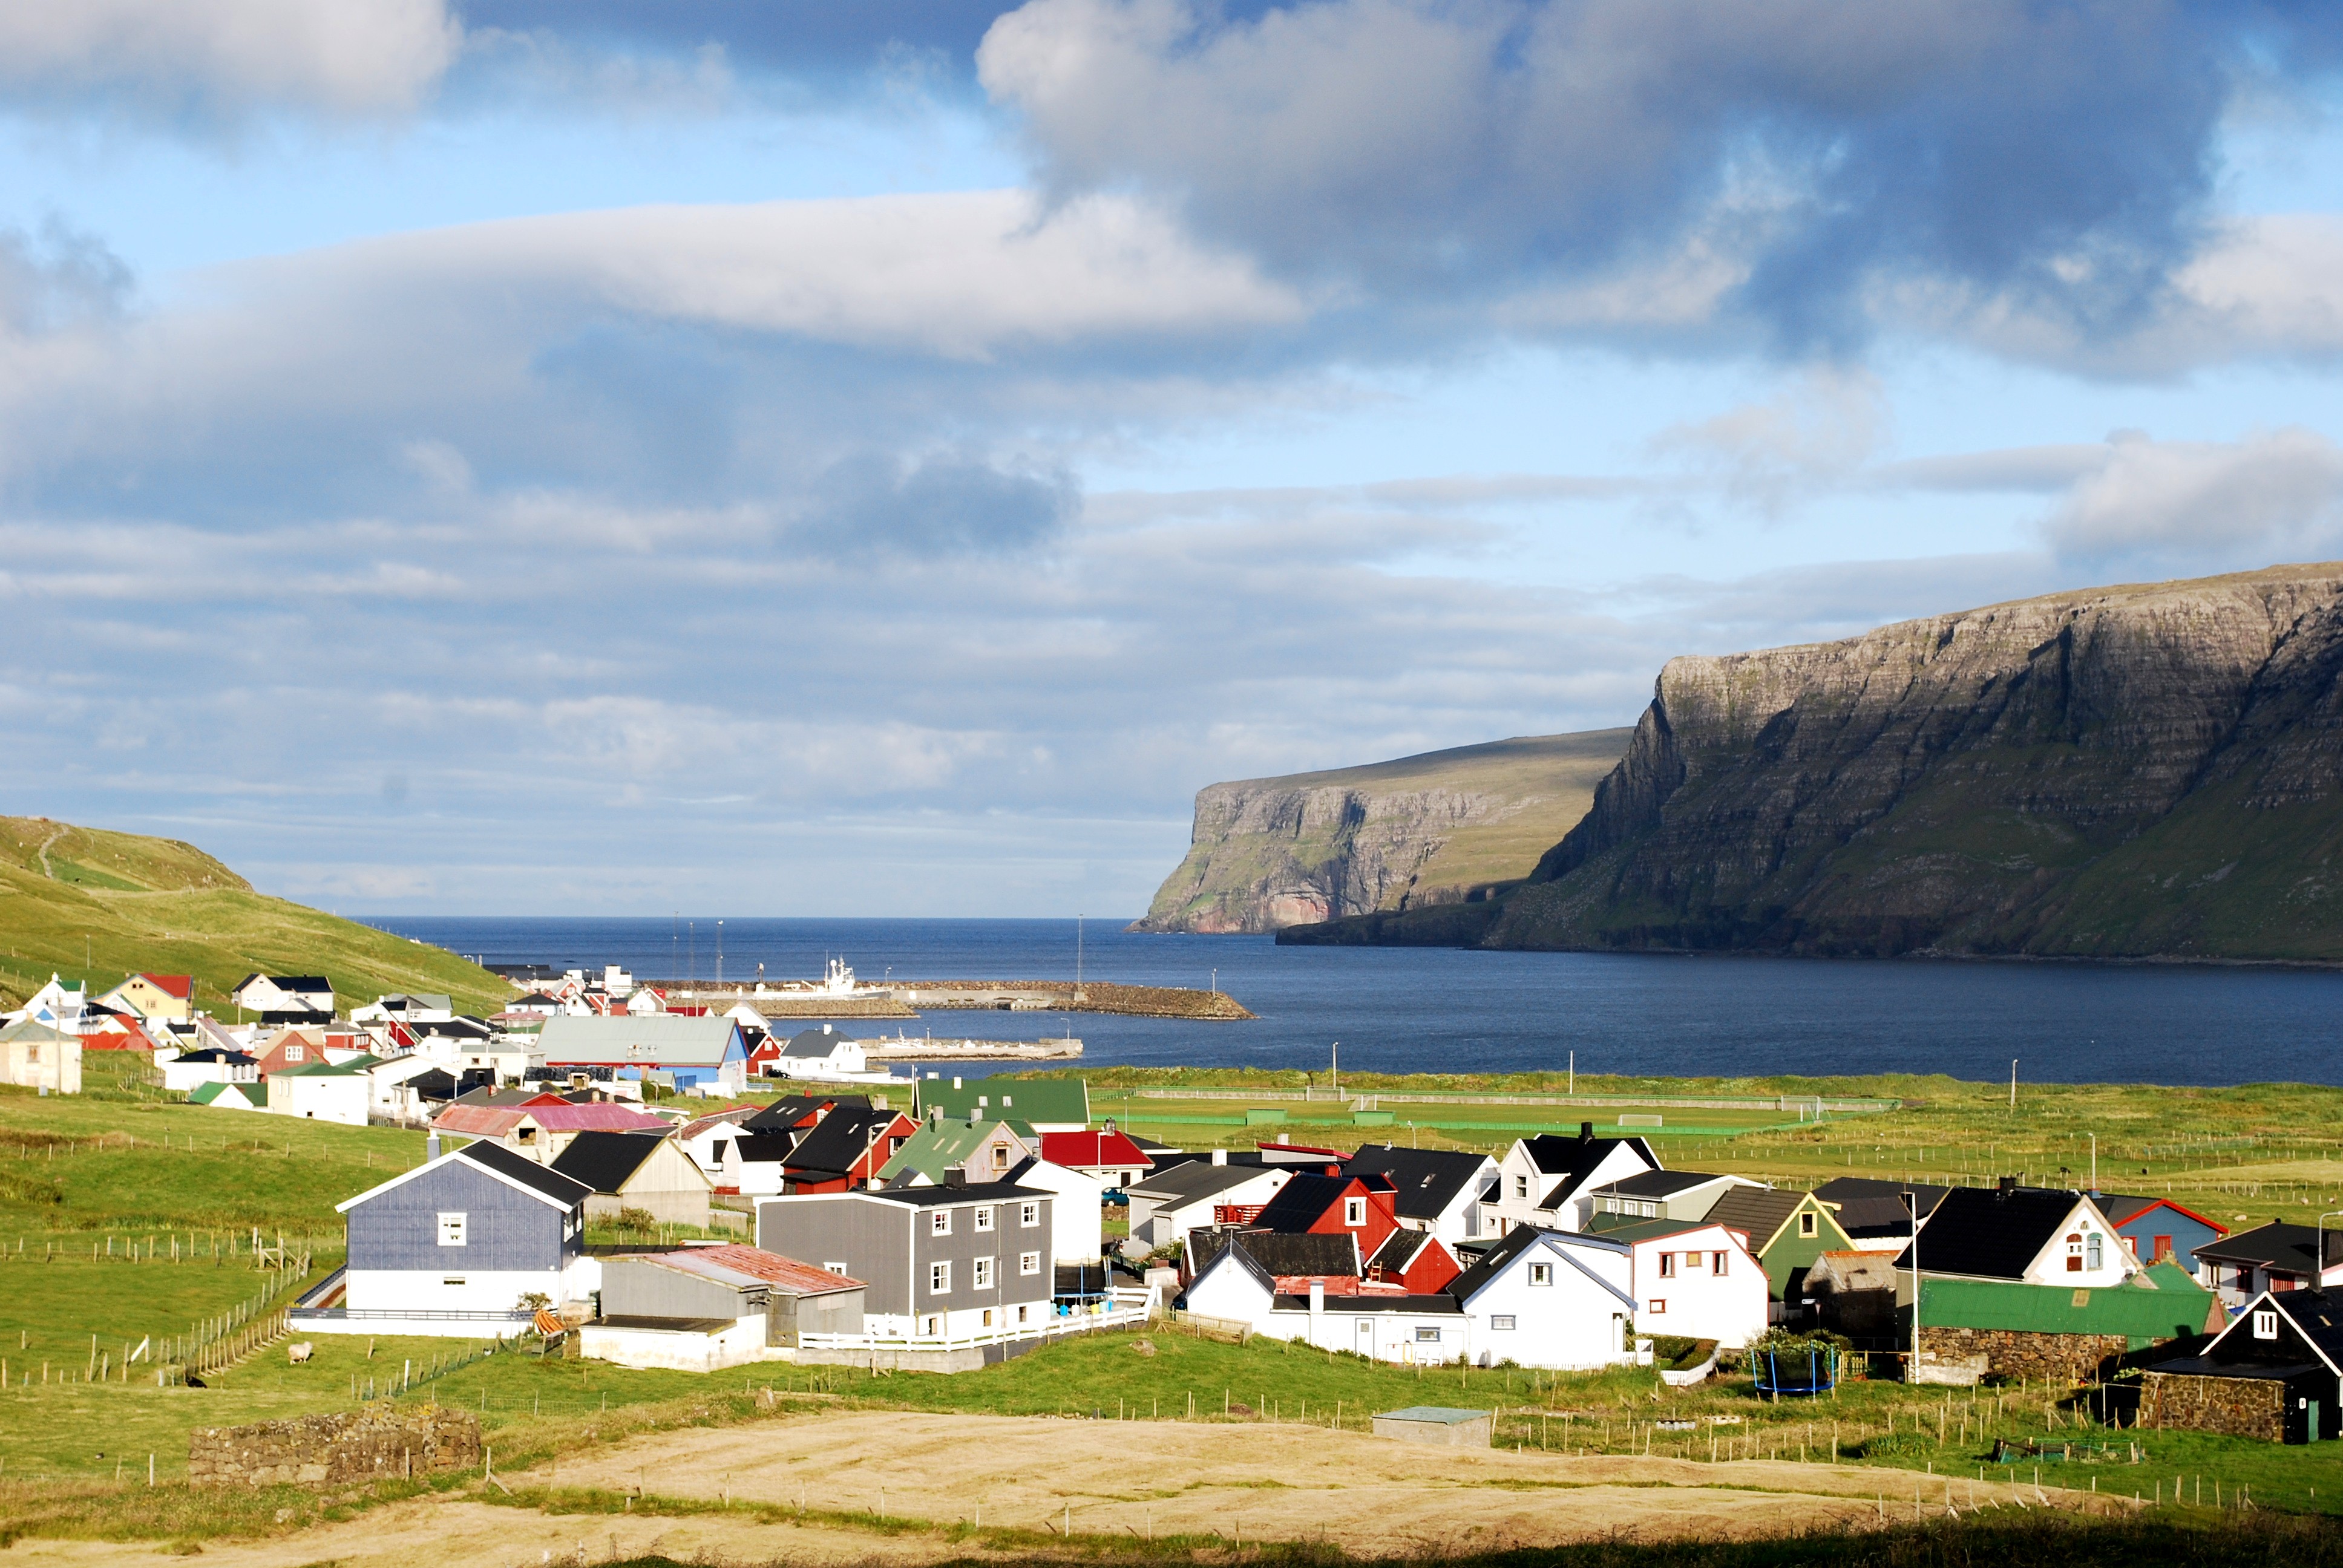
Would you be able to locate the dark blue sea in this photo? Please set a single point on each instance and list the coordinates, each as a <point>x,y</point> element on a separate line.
<point>1401,1010</point>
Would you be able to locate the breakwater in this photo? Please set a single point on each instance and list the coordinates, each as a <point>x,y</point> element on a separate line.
<point>929,1047</point>
<point>909,999</point>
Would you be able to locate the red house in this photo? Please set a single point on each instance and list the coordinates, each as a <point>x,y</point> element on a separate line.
<point>1359,1206</point>
<point>1109,1155</point>
<point>1417,1260</point>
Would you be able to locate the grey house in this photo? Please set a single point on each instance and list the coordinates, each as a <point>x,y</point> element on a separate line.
<point>701,1286</point>
<point>464,1237</point>
<point>935,1261</point>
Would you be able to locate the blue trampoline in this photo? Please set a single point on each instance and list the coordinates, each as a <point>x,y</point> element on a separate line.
<point>1801,1373</point>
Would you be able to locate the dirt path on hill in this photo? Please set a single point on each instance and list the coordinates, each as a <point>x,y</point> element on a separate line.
<point>1124,1480</point>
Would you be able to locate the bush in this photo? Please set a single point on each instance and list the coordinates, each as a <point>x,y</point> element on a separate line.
<point>641,1222</point>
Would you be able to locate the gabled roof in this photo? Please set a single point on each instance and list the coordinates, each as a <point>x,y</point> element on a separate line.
<point>1279,1254</point>
<point>814,1044</point>
<point>738,1265</point>
<point>842,1140</point>
<point>1424,1181</point>
<point>523,1175</point>
<point>1399,1251</point>
<point>354,1068</point>
<point>1620,1228</point>
<point>1571,1161</point>
<point>1195,1179</point>
<point>31,1028</point>
<point>2277,1245</point>
<point>1094,1151</point>
<point>205,1093</point>
<point>605,1160</point>
<point>650,1041</point>
<point>1660,1183</point>
<point>2176,1308</point>
<point>935,1148</point>
<point>1030,1099</point>
<point>180,986</point>
<point>1991,1232</point>
<point>1758,1212</point>
<point>793,1109</point>
<point>214,1053</point>
<point>2317,1317</point>
<point>2123,1208</point>
<point>1304,1200</point>
<point>1523,1238</point>
<point>731,1116</point>
<point>496,1120</point>
<point>1868,1206</point>
<point>945,1197</point>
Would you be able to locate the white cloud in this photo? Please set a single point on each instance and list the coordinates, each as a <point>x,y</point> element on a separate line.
<point>2205,504</point>
<point>343,57</point>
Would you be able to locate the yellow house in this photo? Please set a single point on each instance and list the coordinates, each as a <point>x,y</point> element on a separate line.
<point>153,996</point>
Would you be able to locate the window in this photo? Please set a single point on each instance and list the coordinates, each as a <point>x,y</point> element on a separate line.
<point>2266,1325</point>
<point>1029,1264</point>
<point>457,1280</point>
<point>1503,1322</point>
<point>932,1325</point>
<point>1000,1157</point>
<point>984,1218</point>
<point>1521,1186</point>
<point>939,1223</point>
<point>983,1274</point>
<point>1427,1336</point>
<point>1668,1265</point>
<point>938,1278</point>
<point>1808,1225</point>
<point>451,1229</point>
<point>1024,1314</point>
<point>1540,1273</point>
<point>529,1134</point>
<point>1354,1210</point>
<point>1029,1214</point>
<point>837,1269</point>
<point>988,1317</point>
<point>2075,1254</point>
<point>1716,1263</point>
<point>2092,1249</point>
<point>1657,1306</point>
<point>292,1053</point>
<point>1692,1261</point>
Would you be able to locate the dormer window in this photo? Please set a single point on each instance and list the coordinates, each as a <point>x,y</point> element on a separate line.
<point>1354,1211</point>
<point>1808,1225</point>
<point>2266,1325</point>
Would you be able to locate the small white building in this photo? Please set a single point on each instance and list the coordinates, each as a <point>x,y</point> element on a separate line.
<point>37,1055</point>
<point>324,1091</point>
<point>212,1064</point>
<point>1078,1223</point>
<point>1696,1280</point>
<point>1197,1194</point>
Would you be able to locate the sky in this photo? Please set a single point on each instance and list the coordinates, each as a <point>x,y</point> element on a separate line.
<point>621,456</point>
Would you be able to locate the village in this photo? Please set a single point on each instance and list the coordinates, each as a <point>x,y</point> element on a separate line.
<point>615,1179</point>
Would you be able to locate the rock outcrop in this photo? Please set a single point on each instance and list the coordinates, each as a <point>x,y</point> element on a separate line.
<point>2149,771</point>
<point>1442,827</point>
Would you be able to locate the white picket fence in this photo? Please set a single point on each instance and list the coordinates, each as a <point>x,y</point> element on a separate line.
<point>1123,1307</point>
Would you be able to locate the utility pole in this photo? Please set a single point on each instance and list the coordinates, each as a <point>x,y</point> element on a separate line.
<point>1079,919</point>
<point>1912,1202</point>
<point>1337,1054</point>
<point>2013,1085</point>
<point>2095,1161</point>
<point>1573,1072</point>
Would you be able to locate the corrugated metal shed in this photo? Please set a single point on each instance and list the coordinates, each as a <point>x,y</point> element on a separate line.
<point>2178,1306</point>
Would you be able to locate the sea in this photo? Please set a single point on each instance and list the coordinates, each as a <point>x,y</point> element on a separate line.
<point>1436,1009</point>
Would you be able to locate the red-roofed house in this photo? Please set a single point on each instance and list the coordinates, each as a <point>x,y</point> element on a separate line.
<point>153,996</point>
<point>543,1131</point>
<point>1109,1155</point>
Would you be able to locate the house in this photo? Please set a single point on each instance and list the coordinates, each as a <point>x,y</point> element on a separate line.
<point>1170,1202</point>
<point>637,1171</point>
<point>1549,1298</point>
<point>222,1095</point>
<point>1853,1293</point>
<point>1221,1286</point>
<point>1416,1260</point>
<point>937,1262</point>
<point>291,1048</point>
<point>1980,1327</point>
<point>1786,1231</point>
<point>703,1053</point>
<point>324,1091</point>
<point>183,1072</point>
<point>459,1246</point>
<point>707,1139</point>
<point>57,1004</point>
<point>38,1055</point>
<point>285,999</point>
<point>1451,1194</point>
<point>1875,1213</point>
<point>1044,1104</point>
<point>1109,1156</point>
<point>2028,1235</point>
<point>845,1148</point>
<point>824,1053</point>
<point>1077,1218</point>
<point>979,1149</point>
<point>1545,1180</point>
<point>407,1088</point>
<point>150,996</point>
<point>541,1131</point>
<point>1693,1279</point>
<point>1660,1195</point>
<point>1331,1205</point>
<point>702,1309</point>
<point>2272,1373</point>
<point>2157,1229</point>
<point>2272,1257</point>
<point>429,1007</point>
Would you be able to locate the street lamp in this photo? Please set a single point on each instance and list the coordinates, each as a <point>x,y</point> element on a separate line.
<point>1912,1202</point>
<point>2318,1259</point>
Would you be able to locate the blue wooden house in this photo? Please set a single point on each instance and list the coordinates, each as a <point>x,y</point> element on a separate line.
<point>457,1244</point>
<point>2157,1229</point>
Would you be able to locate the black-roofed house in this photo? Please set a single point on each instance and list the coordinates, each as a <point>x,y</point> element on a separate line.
<point>642,1170</point>
<point>285,999</point>
<point>1788,1231</point>
<point>1874,1213</point>
<point>1662,1195</point>
<point>2272,1257</point>
<point>2276,1372</point>
<point>823,1053</point>
<point>1170,1203</point>
<point>1546,1180</point>
<point>455,1245</point>
<point>843,1149</point>
<point>1450,1193</point>
<point>2030,1235</point>
<point>941,1266</point>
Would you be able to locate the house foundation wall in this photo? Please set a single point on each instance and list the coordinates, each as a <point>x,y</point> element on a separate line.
<point>2010,1353</point>
<point>2232,1406</point>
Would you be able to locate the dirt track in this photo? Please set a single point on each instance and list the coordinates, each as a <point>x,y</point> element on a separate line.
<point>1124,1480</point>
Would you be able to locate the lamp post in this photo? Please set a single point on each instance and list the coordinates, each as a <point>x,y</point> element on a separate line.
<point>1912,1202</point>
<point>2318,1259</point>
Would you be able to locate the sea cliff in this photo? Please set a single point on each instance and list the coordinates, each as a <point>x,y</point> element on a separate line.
<point>1442,827</point>
<point>2144,771</point>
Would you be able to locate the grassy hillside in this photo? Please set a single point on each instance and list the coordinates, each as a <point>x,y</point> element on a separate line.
<point>89,904</point>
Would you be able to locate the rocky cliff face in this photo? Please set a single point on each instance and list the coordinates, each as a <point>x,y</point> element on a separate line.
<point>2144,771</point>
<point>1437,828</point>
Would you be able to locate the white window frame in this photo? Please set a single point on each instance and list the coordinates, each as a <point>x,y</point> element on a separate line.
<point>985,1216</point>
<point>2265,1323</point>
<point>981,1275</point>
<point>1029,1264</point>
<point>1426,1335</point>
<point>939,1223</point>
<point>1029,1214</point>
<point>837,1269</point>
<point>455,1227</point>
<point>2095,1256</point>
<point>1810,1224</point>
<point>940,1279</point>
<point>1540,1273</point>
<point>1501,1322</point>
<point>1354,1211</point>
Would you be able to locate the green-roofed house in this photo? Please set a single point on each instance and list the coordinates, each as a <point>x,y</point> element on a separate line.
<point>1787,1230</point>
<point>1044,1104</point>
<point>229,1096</point>
<point>981,1150</point>
<point>323,1091</point>
<point>2012,1330</point>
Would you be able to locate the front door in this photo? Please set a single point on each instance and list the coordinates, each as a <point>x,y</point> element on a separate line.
<point>2311,1434</point>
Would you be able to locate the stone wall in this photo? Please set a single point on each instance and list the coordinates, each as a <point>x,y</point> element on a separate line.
<point>2234,1406</point>
<point>2007,1352</point>
<point>335,1450</point>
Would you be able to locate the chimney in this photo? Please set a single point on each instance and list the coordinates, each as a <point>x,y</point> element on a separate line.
<point>431,1148</point>
<point>1220,1156</point>
<point>1317,1301</point>
<point>1585,1132</point>
<point>955,1083</point>
<point>2006,1185</point>
<point>957,1176</point>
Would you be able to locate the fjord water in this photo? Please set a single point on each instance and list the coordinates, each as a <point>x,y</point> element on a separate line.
<point>1429,1009</point>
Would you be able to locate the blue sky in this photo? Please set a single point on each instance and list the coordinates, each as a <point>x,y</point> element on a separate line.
<point>882,459</point>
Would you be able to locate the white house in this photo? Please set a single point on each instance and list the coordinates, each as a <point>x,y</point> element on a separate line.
<point>1199,1193</point>
<point>1450,1193</point>
<point>285,999</point>
<point>37,1055</point>
<point>1548,1181</point>
<point>1077,1225</point>
<point>407,1009</point>
<point>324,1091</point>
<point>187,1069</point>
<point>2031,1235</point>
<point>1552,1299</point>
<point>1694,1280</point>
<point>57,1004</point>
